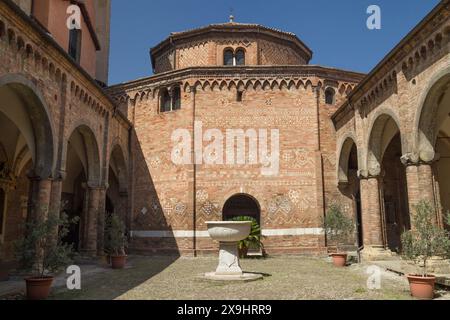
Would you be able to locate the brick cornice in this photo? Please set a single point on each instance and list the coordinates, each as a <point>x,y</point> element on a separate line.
<point>239,73</point>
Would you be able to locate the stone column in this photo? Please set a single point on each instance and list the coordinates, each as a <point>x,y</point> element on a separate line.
<point>371,212</point>
<point>101,221</point>
<point>39,198</point>
<point>90,246</point>
<point>420,183</point>
<point>55,201</point>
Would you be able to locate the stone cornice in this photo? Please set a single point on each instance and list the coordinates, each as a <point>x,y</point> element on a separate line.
<point>239,73</point>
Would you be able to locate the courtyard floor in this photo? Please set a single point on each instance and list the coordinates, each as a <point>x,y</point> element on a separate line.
<point>285,278</point>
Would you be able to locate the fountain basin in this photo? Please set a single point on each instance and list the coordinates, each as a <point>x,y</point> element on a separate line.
<point>229,231</point>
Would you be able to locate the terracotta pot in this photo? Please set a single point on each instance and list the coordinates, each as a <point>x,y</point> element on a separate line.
<point>38,288</point>
<point>339,259</point>
<point>118,262</point>
<point>422,287</point>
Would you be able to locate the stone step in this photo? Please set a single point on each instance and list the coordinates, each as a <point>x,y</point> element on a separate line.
<point>403,268</point>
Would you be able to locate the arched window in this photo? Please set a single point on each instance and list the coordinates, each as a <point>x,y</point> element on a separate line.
<point>170,101</point>
<point>176,98</point>
<point>166,104</point>
<point>330,96</point>
<point>228,57</point>
<point>240,57</point>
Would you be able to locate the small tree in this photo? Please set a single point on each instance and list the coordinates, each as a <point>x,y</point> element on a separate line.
<point>42,250</point>
<point>116,240</point>
<point>338,227</point>
<point>426,240</point>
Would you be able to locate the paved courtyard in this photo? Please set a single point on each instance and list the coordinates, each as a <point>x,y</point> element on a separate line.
<point>285,278</point>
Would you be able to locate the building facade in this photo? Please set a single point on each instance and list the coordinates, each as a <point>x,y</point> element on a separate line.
<point>234,121</point>
<point>63,141</point>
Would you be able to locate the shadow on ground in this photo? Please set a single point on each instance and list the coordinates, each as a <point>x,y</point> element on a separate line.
<point>104,283</point>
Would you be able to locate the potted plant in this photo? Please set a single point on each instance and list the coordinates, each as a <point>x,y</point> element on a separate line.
<point>425,241</point>
<point>116,241</point>
<point>339,229</point>
<point>43,253</point>
<point>253,241</point>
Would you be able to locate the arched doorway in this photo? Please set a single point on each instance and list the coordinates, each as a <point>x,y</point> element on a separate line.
<point>26,158</point>
<point>394,191</point>
<point>349,182</point>
<point>241,205</point>
<point>82,167</point>
<point>384,161</point>
<point>434,140</point>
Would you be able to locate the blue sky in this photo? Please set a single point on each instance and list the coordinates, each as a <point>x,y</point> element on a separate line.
<point>334,29</point>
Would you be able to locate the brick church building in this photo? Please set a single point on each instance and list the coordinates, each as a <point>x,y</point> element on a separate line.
<point>376,143</point>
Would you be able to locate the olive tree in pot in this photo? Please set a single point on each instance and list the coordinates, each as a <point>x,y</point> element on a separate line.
<point>42,253</point>
<point>339,229</point>
<point>116,241</point>
<point>425,241</point>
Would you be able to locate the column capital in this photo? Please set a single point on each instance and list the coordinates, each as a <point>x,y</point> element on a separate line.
<point>414,160</point>
<point>33,176</point>
<point>366,175</point>
<point>59,175</point>
<point>95,186</point>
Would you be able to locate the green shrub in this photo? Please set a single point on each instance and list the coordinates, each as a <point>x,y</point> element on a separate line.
<point>42,250</point>
<point>338,227</point>
<point>115,239</point>
<point>253,241</point>
<point>426,240</point>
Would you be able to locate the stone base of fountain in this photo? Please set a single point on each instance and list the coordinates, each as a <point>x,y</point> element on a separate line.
<point>229,268</point>
<point>244,277</point>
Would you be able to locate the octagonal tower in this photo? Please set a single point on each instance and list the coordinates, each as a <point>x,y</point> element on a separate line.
<point>229,44</point>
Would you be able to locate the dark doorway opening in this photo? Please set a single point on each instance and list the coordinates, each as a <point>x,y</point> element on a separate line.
<point>241,205</point>
<point>395,194</point>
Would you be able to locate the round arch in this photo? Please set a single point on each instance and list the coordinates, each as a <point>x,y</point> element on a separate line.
<point>32,117</point>
<point>241,204</point>
<point>344,154</point>
<point>383,129</point>
<point>88,151</point>
<point>432,112</point>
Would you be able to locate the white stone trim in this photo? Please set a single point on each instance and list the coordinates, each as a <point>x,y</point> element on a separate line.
<point>292,232</point>
<point>205,234</point>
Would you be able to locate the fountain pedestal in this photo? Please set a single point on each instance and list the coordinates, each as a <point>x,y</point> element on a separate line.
<point>229,234</point>
<point>229,260</point>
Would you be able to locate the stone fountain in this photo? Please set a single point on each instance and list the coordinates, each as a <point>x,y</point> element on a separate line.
<point>228,234</point>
